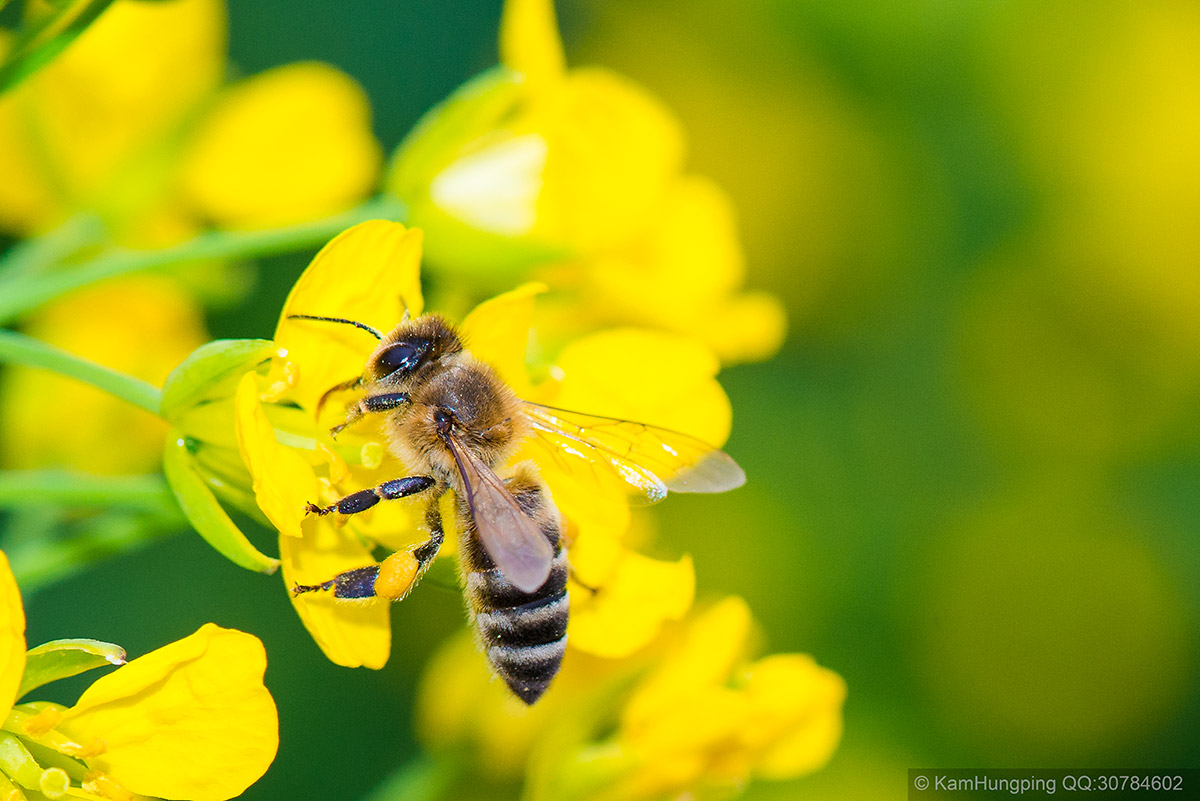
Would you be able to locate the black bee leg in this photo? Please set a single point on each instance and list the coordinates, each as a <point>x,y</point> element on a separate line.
<point>575,578</point>
<point>394,577</point>
<point>372,404</point>
<point>363,500</point>
<point>356,583</point>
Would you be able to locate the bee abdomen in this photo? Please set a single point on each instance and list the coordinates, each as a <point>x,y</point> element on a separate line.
<point>524,635</point>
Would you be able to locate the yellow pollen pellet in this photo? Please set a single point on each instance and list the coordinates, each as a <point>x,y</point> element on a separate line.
<point>396,574</point>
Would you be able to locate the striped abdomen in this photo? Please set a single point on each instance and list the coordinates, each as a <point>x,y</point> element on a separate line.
<point>523,634</point>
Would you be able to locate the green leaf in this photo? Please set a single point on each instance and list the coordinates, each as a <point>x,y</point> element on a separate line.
<point>204,511</point>
<point>61,659</point>
<point>209,369</point>
<point>45,37</point>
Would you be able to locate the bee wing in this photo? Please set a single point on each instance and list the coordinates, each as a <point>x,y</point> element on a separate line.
<point>651,459</point>
<point>511,538</point>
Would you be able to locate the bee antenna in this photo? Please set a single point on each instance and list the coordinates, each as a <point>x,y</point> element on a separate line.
<point>406,316</point>
<point>372,331</point>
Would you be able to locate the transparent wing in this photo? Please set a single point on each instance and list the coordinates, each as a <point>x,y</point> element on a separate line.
<point>511,538</point>
<point>650,459</point>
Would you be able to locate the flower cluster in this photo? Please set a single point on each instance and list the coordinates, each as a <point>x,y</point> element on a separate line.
<point>673,381</point>
<point>191,720</point>
<point>572,253</point>
<point>693,714</point>
<point>577,175</point>
<point>159,150</point>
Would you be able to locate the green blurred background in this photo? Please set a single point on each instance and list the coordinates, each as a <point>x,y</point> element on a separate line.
<point>974,469</point>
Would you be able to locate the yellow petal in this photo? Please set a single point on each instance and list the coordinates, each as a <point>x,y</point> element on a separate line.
<point>651,377</point>
<point>190,720</point>
<point>685,275</point>
<point>497,332</point>
<point>795,717</point>
<point>715,642</point>
<point>614,150</point>
<point>289,145</point>
<point>752,328</point>
<point>350,633</point>
<point>529,40</point>
<point>119,91</point>
<point>283,482</point>
<point>368,273</point>
<point>12,637</point>
<point>628,611</point>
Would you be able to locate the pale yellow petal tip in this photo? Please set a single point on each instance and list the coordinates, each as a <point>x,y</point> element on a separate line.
<point>529,40</point>
<point>291,144</point>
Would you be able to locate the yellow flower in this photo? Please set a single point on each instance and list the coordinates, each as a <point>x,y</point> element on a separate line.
<point>694,716</point>
<point>128,122</point>
<point>142,326</point>
<point>370,273</point>
<point>705,716</point>
<point>191,720</point>
<point>580,172</point>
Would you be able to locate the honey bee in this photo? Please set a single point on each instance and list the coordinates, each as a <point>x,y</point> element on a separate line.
<point>453,422</point>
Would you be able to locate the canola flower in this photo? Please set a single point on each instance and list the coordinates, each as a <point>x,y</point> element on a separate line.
<point>191,720</point>
<point>159,150</point>
<point>695,715</point>
<point>576,175</point>
<point>371,273</point>
<point>571,176</point>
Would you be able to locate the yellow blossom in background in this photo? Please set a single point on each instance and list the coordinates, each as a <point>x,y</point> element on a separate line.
<point>191,720</point>
<point>83,132</point>
<point>289,145</point>
<point>578,175</point>
<point>142,326</point>
<point>294,461</point>
<point>695,716</point>
<point>130,124</point>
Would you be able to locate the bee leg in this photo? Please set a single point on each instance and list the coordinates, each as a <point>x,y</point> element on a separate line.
<point>353,383</point>
<point>393,578</point>
<point>363,500</point>
<point>575,578</point>
<point>372,404</point>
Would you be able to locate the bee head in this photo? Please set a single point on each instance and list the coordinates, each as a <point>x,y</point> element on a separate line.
<point>410,347</point>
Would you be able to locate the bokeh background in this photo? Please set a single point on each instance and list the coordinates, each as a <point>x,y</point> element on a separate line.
<point>974,468</point>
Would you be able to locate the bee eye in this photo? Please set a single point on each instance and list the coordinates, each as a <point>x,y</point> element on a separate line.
<point>403,357</point>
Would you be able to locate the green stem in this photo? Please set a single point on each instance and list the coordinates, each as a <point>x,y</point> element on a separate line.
<point>30,256</point>
<point>19,349</point>
<point>25,295</point>
<point>20,488</point>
